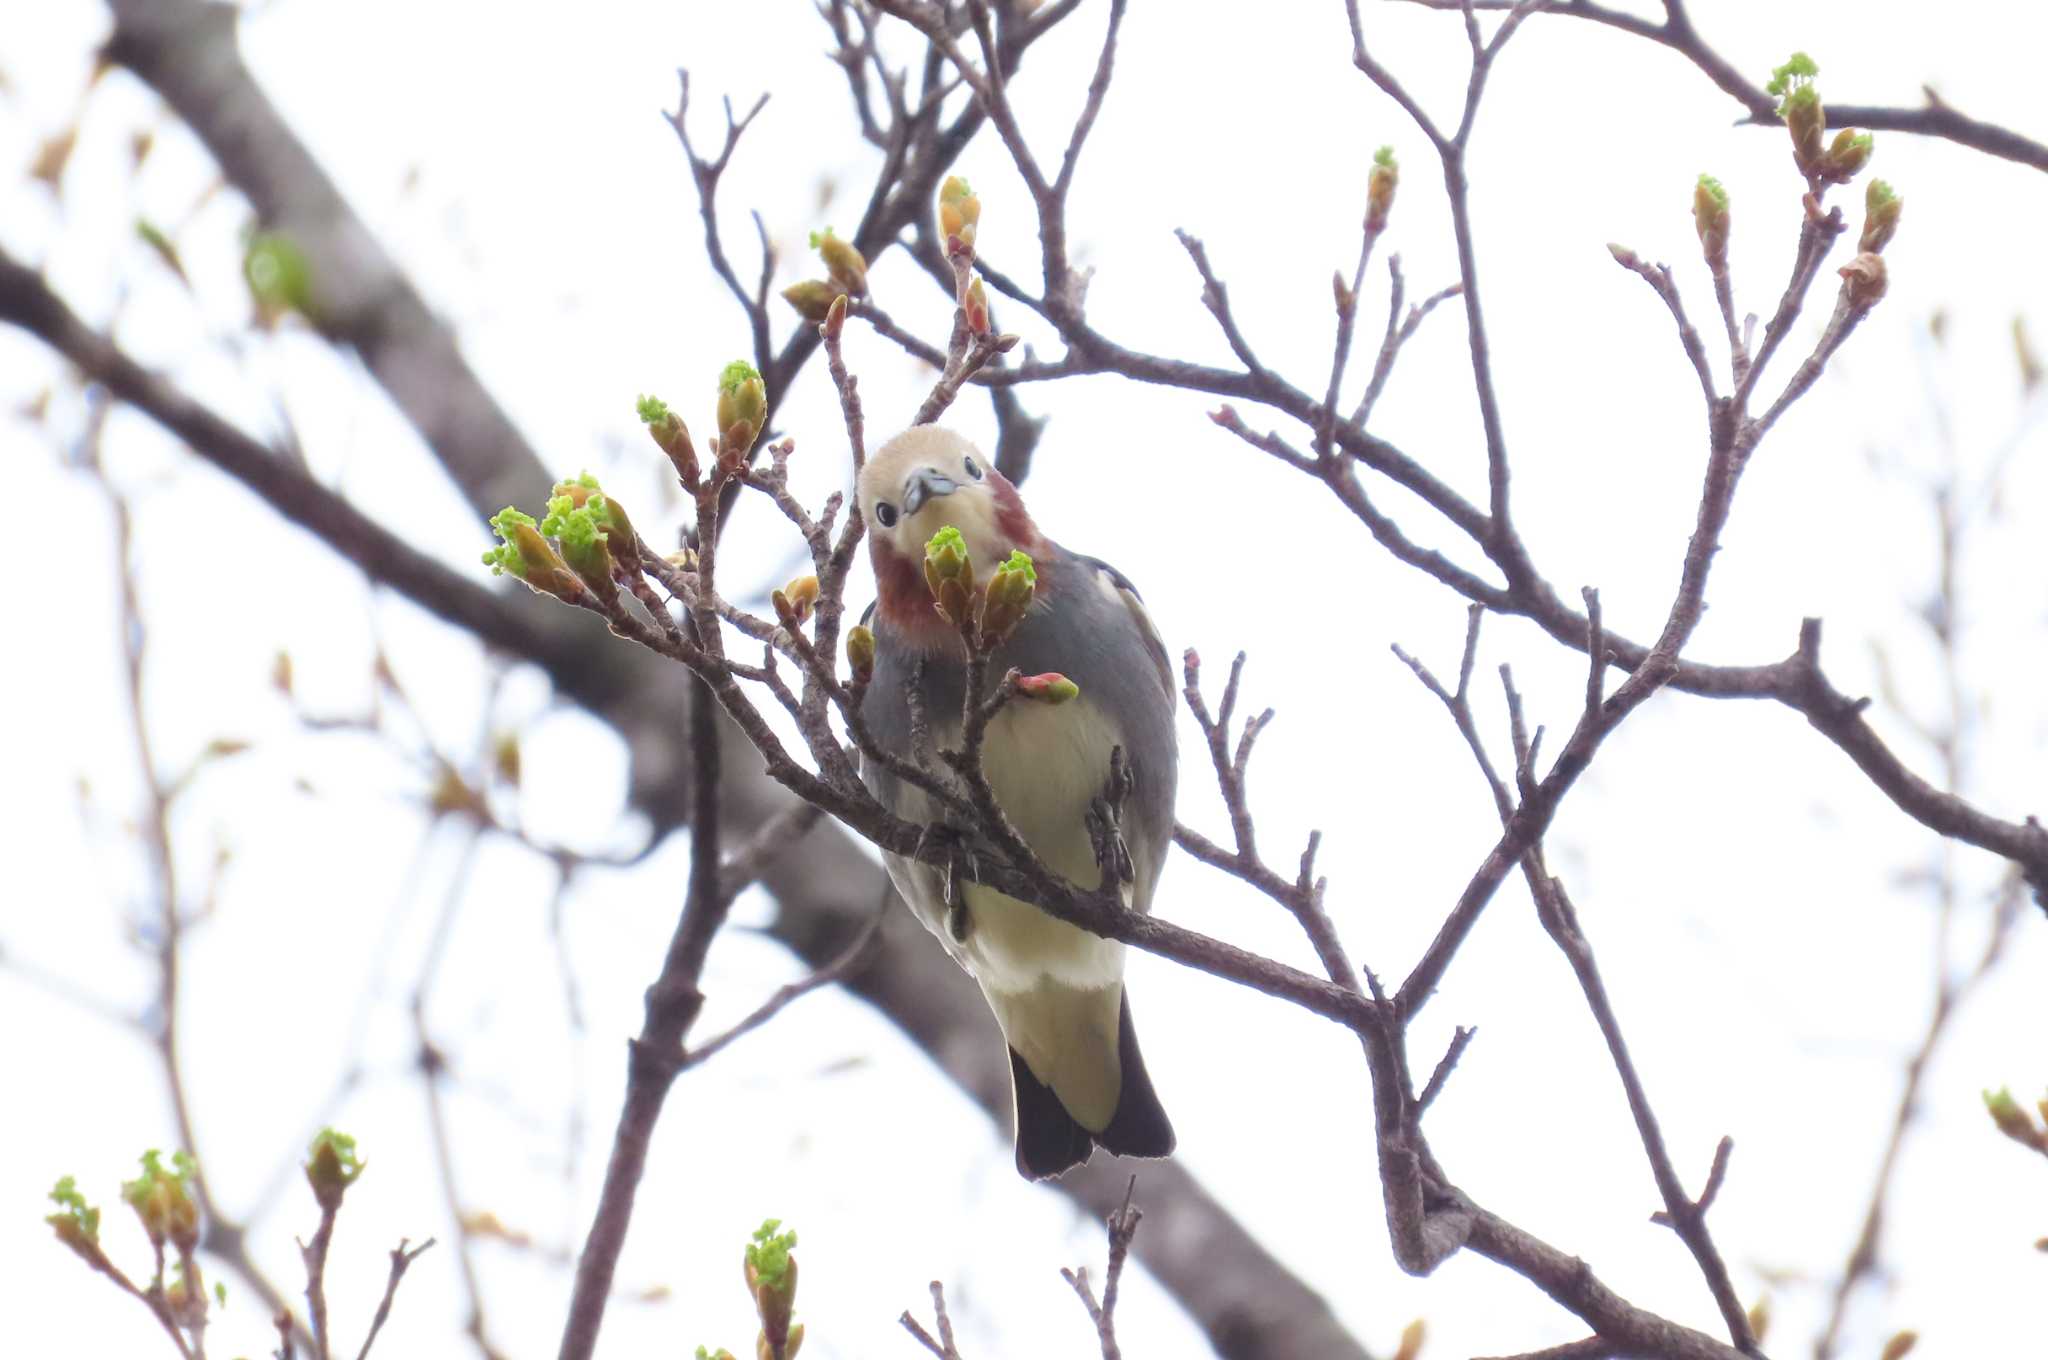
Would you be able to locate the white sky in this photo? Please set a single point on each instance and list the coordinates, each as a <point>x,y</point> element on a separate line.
<point>1749,894</point>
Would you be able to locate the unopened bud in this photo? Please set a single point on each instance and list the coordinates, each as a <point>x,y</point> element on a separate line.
<point>860,653</point>
<point>1881,209</point>
<point>1900,1343</point>
<point>959,212</point>
<point>1847,155</point>
<point>975,305</point>
<point>812,298</point>
<point>1411,1341</point>
<point>2011,1120</point>
<point>1008,598</point>
<point>742,406</point>
<point>794,602</point>
<point>1049,688</point>
<point>332,1167</point>
<point>1710,219</point>
<point>672,437</point>
<point>741,395</point>
<point>1623,256</point>
<point>1760,1317</point>
<point>835,318</point>
<point>1380,183</point>
<point>1863,279</point>
<point>843,262</point>
<point>949,573</point>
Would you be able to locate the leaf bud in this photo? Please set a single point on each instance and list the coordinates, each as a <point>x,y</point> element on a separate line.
<point>812,298</point>
<point>1710,219</point>
<point>1881,209</point>
<point>1380,183</point>
<point>843,262</point>
<point>959,212</point>
<point>860,653</point>
<point>1048,688</point>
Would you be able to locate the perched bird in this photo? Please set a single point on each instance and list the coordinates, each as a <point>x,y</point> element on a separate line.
<point>1056,990</point>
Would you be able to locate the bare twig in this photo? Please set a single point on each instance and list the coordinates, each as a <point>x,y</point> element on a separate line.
<point>401,1261</point>
<point>1123,1226</point>
<point>942,1345</point>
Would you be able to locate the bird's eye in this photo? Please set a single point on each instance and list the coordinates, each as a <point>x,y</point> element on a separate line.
<point>973,468</point>
<point>885,514</point>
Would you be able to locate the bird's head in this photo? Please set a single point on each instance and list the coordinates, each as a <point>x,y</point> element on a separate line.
<point>918,483</point>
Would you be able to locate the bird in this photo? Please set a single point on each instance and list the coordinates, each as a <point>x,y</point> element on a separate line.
<point>1057,991</point>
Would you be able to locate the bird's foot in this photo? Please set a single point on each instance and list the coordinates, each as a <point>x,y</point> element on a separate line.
<point>1105,822</point>
<point>953,891</point>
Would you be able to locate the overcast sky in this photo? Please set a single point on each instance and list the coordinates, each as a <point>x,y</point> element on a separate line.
<point>1754,901</point>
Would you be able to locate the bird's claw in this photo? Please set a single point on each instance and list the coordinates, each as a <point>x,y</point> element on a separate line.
<point>1105,821</point>
<point>951,889</point>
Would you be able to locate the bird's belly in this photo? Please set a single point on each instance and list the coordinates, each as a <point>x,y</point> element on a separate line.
<point>1047,764</point>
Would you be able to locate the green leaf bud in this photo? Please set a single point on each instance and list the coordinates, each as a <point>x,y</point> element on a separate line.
<point>1710,219</point>
<point>1380,183</point>
<point>843,262</point>
<point>1881,209</point>
<point>331,1167</point>
<point>812,298</point>
<point>1846,156</point>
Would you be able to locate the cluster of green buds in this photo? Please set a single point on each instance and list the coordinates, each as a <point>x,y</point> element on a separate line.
<point>1380,183</point>
<point>523,553</point>
<point>959,212</point>
<point>583,520</point>
<point>1806,119</point>
<point>1008,598</point>
<point>331,1167</point>
<point>949,574</point>
<point>2015,1122</point>
<point>795,601</point>
<point>76,1223</point>
<point>1710,219</point>
<point>568,552</point>
<point>672,437</point>
<point>1799,105</point>
<point>742,408</point>
<point>162,1198</point>
<point>770,1273</point>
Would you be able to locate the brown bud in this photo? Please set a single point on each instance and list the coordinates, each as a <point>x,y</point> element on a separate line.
<point>1863,279</point>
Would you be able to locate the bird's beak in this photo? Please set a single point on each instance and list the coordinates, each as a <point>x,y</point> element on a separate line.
<point>926,484</point>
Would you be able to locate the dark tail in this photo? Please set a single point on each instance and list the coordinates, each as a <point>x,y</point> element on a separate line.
<point>1050,1141</point>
